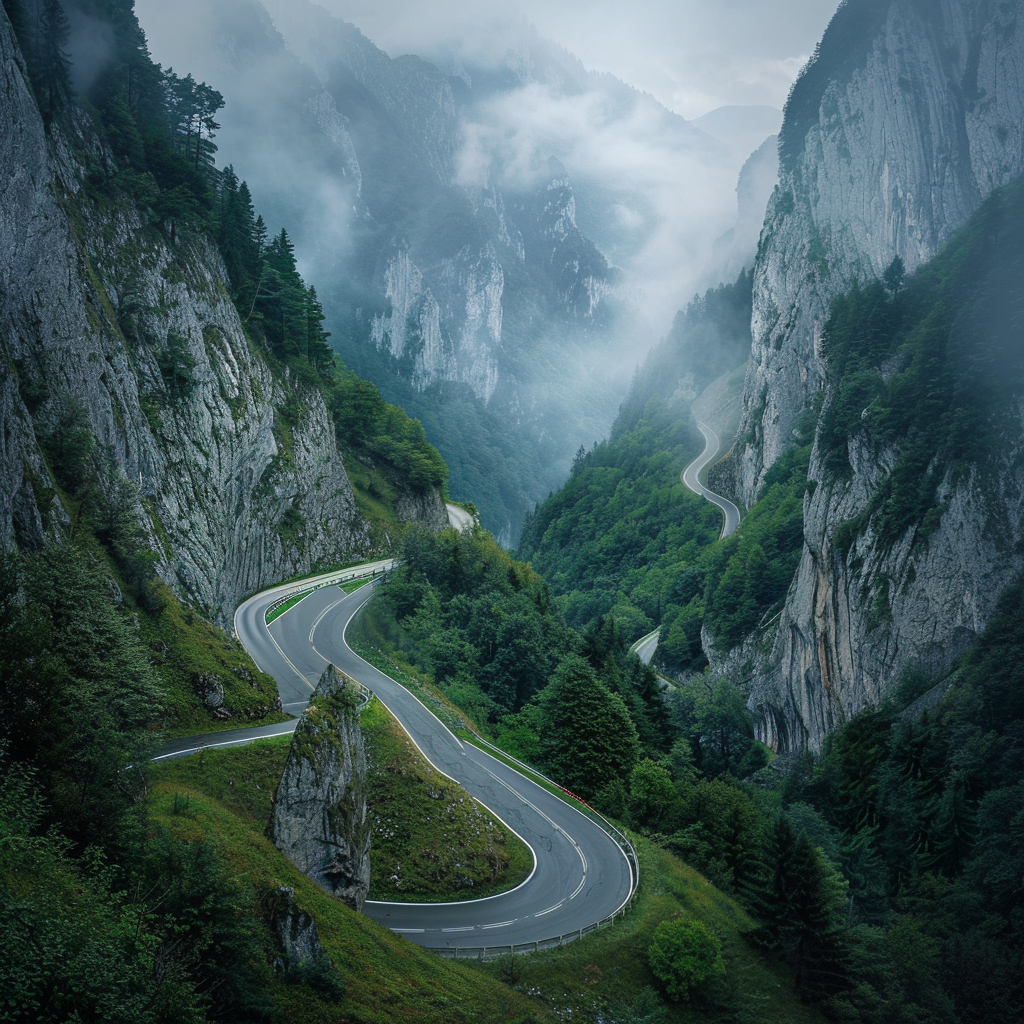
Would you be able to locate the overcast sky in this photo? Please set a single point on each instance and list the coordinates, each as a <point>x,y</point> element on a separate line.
<point>693,55</point>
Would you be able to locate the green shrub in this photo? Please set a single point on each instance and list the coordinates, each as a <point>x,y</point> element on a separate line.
<point>683,955</point>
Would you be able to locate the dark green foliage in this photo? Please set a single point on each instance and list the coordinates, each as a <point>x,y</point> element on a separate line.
<point>485,628</point>
<point>624,538</point>
<point>76,690</point>
<point>71,948</point>
<point>471,613</point>
<point>71,447</point>
<point>616,538</point>
<point>924,815</point>
<point>176,365</point>
<point>802,907</point>
<point>191,106</point>
<point>42,30</point>
<point>683,955</point>
<point>162,936</point>
<point>587,737</point>
<point>948,341</point>
<point>749,573</point>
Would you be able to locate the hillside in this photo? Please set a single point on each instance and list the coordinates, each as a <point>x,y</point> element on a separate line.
<point>493,276</point>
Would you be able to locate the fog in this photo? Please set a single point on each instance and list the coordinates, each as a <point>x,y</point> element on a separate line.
<point>354,151</point>
<point>692,55</point>
<point>654,193</point>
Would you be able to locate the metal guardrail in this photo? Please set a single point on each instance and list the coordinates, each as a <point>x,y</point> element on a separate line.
<point>552,942</point>
<point>492,952</point>
<point>319,586</point>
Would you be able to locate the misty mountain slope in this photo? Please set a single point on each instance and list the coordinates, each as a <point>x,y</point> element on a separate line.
<point>908,117</point>
<point>444,232</point>
<point>128,369</point>
<point>624,537</point>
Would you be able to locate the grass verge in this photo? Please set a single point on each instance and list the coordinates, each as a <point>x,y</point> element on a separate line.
<point>387,978</point>
<point>431,841</point>
<point>275,612</point>
<point>190,654</point>
<point>606,978</point>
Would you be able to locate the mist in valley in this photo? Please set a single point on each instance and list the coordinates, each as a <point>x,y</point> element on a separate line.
<point>494,226</point>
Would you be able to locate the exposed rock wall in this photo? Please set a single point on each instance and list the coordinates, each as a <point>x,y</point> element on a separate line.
<point>903,149</point>
<point>319,820</point>
<point>239,475</point>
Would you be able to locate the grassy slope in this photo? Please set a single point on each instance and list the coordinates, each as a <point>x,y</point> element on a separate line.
<point>447,848</point>
<point>606,977</point>
<point>431,841</point>
<point>607,973</point>
<point>387,977</point>
<point>228,797</point>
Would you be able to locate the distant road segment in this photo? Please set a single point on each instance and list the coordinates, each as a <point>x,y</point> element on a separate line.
<point>459,518</point>
<point>645,647</point>
<point>691,478</point>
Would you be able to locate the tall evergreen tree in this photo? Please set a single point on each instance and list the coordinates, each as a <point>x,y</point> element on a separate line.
<point>588,738</point>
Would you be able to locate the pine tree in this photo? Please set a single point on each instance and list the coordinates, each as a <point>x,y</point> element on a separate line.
<point>588,738</point>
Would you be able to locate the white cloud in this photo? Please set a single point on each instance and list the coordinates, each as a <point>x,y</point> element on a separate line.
<point>691,54</point>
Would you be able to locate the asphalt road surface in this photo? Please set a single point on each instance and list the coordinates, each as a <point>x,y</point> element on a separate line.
<point>645,647</point>
<point>691,478</point>
<point>581,875</point>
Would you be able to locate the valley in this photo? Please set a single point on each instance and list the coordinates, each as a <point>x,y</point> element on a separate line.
<point>487,535</point>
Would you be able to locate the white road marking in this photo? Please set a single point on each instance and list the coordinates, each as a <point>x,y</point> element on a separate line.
<point>541,913</point>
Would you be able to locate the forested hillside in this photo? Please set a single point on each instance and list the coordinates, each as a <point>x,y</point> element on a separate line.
<point>624,538</point>
<point>162,355</point>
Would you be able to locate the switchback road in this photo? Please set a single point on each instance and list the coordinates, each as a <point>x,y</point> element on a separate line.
<point>691,478</point>
<point>581,876</point>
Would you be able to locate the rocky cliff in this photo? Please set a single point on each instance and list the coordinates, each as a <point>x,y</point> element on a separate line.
<point>319,820</point>
<point>909,116</point>
<point>122,328</point>
<point>453,255</point>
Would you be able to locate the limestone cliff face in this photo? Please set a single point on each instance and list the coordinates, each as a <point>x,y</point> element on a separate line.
<point>240,481</point>
<point>909,133</point>
<point>905,126</point>
<point>451,331</point>
<point>319,820</point>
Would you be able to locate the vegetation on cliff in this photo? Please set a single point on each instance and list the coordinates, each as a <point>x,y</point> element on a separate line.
<point>928,367</point>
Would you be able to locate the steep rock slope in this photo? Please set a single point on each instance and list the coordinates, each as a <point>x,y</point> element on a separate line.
<point>124,329</point>
<point>456,270</point>
<point>319,820</point>
<point>909,117</point>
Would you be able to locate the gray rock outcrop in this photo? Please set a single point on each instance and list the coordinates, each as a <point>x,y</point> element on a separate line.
<point>319,821</point>
<point>295,929</point>
<point>239,478</point>
<point>895,146</point>
<point>919,122</point>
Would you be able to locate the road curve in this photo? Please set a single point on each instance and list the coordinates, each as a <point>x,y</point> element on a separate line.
<point>645,647</point>
<point>581,874</point>
<point>691,478</point>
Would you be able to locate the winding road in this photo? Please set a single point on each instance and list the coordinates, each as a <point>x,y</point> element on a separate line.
<point>691,478</point>
<point>582,875</point>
